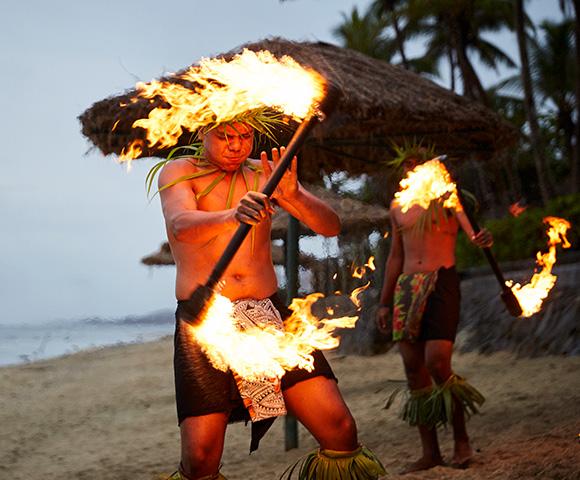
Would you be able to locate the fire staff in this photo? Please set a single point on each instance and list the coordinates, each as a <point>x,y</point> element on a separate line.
<point>419,305</point>
<point>204,200</point>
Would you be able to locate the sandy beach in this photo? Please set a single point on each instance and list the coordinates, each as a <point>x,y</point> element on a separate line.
<point>109,413</point>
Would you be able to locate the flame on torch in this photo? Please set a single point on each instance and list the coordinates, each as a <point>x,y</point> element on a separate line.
<point>427,182</point>
<point>225,90</point>
<point>265,351</point>
<point>532,295</point>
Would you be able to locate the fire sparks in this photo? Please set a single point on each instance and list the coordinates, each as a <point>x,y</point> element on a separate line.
<point>516,209</point>
<point>225,90</point>
<point>359,272</point>
<point>532,295</point>
<point>425,183</point>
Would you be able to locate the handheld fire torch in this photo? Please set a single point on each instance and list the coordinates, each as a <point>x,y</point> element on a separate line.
<point>201,296</point>
<point>508,297</point>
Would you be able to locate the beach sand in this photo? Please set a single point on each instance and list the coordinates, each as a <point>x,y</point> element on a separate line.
<point>109,414</point>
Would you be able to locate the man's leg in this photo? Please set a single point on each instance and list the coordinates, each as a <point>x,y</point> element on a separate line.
<point>438,359</point>
<point>318,404</point>
<point>418,377</point>
<point>202,443</point>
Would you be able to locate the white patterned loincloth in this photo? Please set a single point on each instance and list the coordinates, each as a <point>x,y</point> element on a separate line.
<point>263,398</point>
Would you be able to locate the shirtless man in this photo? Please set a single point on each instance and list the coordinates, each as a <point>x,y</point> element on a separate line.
<point>199,227</point>
<point>427,358</point>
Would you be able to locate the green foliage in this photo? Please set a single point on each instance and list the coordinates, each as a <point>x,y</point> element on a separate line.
<point>521,237</point>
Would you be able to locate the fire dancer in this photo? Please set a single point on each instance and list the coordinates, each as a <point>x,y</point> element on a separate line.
<point>204,200</point>
<point>419,305</point>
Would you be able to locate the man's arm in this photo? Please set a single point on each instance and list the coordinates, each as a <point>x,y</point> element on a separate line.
<point>393,268</point>
<point>482,239</point>
<point>299,202</point>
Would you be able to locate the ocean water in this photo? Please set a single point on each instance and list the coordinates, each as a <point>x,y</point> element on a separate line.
<point>20,344</point>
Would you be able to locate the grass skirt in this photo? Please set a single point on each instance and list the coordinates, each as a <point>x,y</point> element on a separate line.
<point>360,464</point>
<point>433,406</point>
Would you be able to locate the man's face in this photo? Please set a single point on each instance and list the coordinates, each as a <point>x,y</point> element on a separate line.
<point>227,146</point>
<point>410,163</point>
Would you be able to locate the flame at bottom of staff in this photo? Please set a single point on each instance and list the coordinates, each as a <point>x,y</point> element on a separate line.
<point>266,351</point>
<point>532,295</point>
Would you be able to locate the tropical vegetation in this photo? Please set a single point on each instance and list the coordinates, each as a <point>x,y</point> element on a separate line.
<point>541,99</point>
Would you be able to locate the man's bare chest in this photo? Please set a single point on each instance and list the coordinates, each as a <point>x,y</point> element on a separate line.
<point>218,191</point>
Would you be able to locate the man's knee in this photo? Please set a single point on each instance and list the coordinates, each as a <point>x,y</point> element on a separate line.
<point>199,454</point>
<point>439,369</point>
<point>344,426</point>
<point>349,427</point>
<point>202,440</point>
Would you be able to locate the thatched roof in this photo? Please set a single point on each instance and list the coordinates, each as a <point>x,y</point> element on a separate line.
<point>379,102</point>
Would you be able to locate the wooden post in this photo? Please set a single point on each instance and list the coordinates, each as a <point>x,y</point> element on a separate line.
<point>291,425</point>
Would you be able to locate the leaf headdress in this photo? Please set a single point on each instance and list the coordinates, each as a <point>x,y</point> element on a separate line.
<point>409,149</point>
<point>263,120</point>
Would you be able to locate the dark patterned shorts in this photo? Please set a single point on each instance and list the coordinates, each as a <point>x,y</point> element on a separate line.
<point>201,389</point>
<point>441,314</point>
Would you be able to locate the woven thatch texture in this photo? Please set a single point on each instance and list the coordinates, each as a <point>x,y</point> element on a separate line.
<point>379,103</point>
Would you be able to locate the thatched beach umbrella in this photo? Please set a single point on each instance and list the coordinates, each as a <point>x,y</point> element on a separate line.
<point>379,103</point>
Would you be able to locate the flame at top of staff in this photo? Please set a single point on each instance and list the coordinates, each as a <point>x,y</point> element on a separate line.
<point>224,91</point>
<point>427,182</point>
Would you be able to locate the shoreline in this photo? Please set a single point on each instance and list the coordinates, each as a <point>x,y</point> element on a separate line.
<point>28,343</point>
<point>109,413</point>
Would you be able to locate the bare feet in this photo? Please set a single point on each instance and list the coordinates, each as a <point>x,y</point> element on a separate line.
<point>424,463</point>
<point>462,455</point>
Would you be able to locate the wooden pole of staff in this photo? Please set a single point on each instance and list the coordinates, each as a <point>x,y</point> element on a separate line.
<point>509,299</point>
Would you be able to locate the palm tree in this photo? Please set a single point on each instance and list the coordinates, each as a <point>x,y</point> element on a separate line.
<point>531,114</point>
<point>554,71</point>
<point>389,9</point>
<point>454,30</point>
<point>394,16</point>
<point>575,159</point>
<point>511,108</point>
<point>365,34</point>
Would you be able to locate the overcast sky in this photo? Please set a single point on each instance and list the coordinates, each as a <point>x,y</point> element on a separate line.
<point>74,226</point>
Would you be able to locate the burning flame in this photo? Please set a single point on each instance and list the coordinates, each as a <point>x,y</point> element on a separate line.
<point>532,295</point>
<point>266,351</point>
<point>425,183</point>
<point>225,89</point>
<point>131,152</point>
